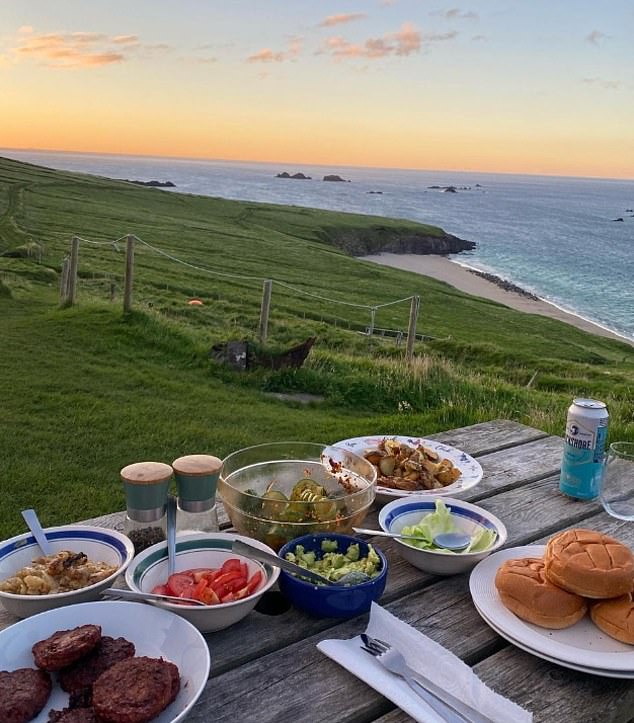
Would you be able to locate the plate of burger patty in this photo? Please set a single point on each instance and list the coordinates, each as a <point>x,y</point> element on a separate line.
<point>570,602</point>
<point>112,662</point>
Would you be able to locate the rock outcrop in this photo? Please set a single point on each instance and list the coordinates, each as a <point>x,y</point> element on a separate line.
<point>155,184</point>
<point>504,284</point>
<point>334,177</point>
<point>298,176</point>
<point>377,239</point>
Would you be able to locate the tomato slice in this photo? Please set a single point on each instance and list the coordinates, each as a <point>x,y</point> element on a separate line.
<point>228,577</point>
<point>254,581</point>
<point>231,564</point>
<point>180,582</point>
<point>160,590</point>
<point>236,584</point>
<point>209,597</point>
<point>199,588</point>
<point>229,597</point>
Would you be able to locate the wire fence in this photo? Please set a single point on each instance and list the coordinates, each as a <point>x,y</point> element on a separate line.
<point>108,282</point>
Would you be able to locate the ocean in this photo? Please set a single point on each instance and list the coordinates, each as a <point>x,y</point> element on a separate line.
<point>556,237</point>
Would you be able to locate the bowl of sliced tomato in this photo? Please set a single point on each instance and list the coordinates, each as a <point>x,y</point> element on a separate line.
<point>207,571</point>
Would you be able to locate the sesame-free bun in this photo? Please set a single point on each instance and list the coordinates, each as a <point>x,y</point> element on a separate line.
<point>589,563</point>
<point>615,617</point>
<point>525,591</point>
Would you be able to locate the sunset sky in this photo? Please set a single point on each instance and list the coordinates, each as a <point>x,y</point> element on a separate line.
<point>526,86</point>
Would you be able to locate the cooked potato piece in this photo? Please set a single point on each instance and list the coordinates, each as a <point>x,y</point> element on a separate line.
<point>401,466</point>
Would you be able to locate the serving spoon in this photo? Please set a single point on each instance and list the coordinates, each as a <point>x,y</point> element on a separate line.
<point>125,594</point>
<point>354,577</point>
<point>33,523</point>
<point>455,541</point>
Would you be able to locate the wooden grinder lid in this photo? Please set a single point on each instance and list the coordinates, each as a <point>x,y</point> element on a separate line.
<point>197,465</point>
<point>146,473</point>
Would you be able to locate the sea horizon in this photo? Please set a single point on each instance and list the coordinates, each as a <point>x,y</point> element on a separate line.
<point>247,161</point>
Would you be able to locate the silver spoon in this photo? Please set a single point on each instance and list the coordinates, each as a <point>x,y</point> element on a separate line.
<point>452,541</point>
<point>353,577</point>
<point>136,595</point>
<point>171,535</point>
<point>447,540</point>
<point>37,531</point>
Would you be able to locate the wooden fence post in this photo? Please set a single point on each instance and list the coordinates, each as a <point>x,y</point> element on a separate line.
<point>129,273</point>
<point>72,272</point>
<point>63,282</point>
<point>372,320</point>
<point>264,309</point>
<point>411,330</point>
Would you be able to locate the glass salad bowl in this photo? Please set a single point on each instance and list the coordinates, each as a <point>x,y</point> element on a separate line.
<point>279,491</point>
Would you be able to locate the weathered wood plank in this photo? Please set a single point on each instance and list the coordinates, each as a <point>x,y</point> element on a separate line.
<point>516,466</point>
<point>487,437</point>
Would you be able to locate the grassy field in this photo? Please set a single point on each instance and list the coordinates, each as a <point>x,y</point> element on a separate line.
<point>87,390</point>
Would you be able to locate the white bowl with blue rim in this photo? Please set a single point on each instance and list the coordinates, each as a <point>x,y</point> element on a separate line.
<point>467,518</point>
<point>99,544</point>
<point>201,550</point>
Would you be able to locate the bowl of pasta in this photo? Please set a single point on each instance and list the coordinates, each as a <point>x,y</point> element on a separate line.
<point>84,561</point>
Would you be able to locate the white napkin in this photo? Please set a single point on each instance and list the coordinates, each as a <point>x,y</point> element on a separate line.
<point>426,657</point>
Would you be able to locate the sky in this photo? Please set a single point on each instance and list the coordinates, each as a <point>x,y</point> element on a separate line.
<point>531,86</point>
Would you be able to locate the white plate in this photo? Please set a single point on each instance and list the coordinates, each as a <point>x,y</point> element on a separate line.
<point>155,632</point>
<point>470,470</point>
<point>582,644</point>
<point>581,668</point>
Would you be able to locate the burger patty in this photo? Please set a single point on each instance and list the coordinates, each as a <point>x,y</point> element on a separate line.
<point>135,690</point>
<point>76,715</point>
<point>65,647</point>
<point>86,670</point>
<point>23,694</point>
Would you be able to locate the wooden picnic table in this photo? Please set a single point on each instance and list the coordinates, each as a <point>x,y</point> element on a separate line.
<point>267,667</point>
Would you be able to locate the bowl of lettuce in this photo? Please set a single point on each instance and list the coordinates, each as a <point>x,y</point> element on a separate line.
<point>426,517</point>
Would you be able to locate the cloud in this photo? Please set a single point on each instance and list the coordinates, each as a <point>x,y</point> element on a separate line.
<point>595,37</point>
<point>406,41</point>
<point>332,20</point>
<point>77,49</point>
<point>125,40</point>
<point>266,55</point>
<point>602,83</point>
<point>457,14</point>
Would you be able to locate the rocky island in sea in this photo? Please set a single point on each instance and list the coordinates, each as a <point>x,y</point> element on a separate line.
<point>297,176</point>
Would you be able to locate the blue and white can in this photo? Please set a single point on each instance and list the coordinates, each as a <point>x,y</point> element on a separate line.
<point>584,449</point>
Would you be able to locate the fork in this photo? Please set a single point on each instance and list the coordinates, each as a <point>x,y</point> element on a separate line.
<point>448,707</point>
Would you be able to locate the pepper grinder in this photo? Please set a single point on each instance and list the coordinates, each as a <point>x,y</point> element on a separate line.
<point>146,485</point>
<point>196,480</point>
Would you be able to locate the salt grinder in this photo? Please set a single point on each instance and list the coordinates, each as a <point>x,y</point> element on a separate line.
<point>196,480</point>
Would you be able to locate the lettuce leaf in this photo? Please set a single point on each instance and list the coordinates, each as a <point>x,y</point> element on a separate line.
<point>441,521</point>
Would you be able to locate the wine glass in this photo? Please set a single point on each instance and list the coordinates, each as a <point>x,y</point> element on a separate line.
<point>617,488</point>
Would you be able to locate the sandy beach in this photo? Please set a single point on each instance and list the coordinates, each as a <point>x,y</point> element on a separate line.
<point>441,268</point>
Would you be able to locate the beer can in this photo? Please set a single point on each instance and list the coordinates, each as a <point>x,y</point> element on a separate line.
<point>584,449</point>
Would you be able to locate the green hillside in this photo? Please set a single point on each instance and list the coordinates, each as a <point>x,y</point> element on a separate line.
<point>86,390</point>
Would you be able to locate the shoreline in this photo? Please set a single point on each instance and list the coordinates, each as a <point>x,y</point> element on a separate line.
<point>488,286</point>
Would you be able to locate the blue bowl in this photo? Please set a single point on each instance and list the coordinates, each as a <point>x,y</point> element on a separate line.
<point>331,601</point>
